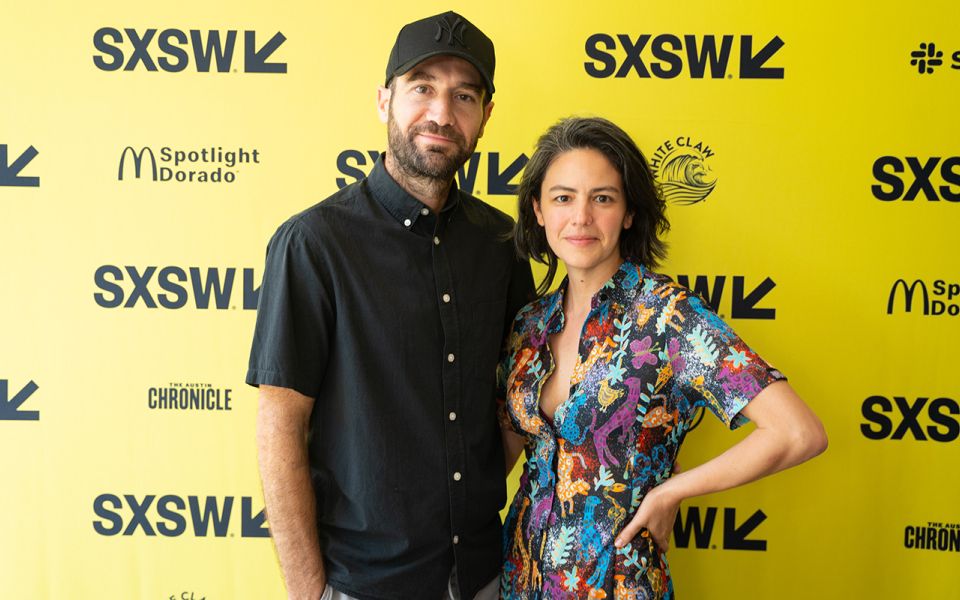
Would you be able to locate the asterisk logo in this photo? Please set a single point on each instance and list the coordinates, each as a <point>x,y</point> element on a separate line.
<point>926,58</point>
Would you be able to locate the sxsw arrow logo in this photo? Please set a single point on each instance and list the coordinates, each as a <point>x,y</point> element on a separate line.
<point>10,173</point>
<point>499,181</point>
<point>700,528</point>
<point>172,515</point>
<point>173,50</point>
<point>252,525</point>
<point>668,55</point>
<point>9,407</point>
<point>751,65</point>
<point>255,61</point>
<point>743,305</point>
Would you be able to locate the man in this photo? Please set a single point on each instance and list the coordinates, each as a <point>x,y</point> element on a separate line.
<point>381,317</point>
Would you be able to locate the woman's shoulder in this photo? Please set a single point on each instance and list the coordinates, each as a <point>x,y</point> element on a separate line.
<point>658,294</point>
<point>659,288</point>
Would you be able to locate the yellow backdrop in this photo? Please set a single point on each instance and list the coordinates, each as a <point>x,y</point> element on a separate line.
<point>809,151</point>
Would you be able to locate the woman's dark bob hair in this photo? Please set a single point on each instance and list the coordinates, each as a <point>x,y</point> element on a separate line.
<point>641,242</point>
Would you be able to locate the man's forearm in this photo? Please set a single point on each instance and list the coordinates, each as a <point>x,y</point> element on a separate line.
<point>290,499</point>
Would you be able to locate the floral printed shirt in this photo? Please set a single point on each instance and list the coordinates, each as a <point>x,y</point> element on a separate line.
<point>651,353</point>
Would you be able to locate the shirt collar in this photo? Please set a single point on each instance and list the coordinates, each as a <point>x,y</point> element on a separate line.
<point>621,288</point>
<point>398,202</point>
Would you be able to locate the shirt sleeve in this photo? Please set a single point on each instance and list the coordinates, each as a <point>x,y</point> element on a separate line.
<point>295,315</point>
<point>513,348</point>
<point>711,363</point>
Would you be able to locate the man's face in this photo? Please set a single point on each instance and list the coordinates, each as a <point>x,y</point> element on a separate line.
<point>435,114</point>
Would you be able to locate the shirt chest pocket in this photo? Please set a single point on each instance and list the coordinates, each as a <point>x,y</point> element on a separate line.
<point>482,325</point>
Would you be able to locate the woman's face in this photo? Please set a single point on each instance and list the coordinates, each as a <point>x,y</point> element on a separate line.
<point>583,209</point>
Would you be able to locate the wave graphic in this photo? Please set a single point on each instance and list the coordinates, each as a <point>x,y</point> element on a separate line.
<point>685,180</point>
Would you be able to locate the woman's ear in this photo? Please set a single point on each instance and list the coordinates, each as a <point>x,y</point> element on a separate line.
<point>537,211</point>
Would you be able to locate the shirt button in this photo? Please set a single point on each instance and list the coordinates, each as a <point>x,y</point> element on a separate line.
<point>424,211</point>
<point>453,416</point>
<point>446,297</point>
<point>406,222</point>
<point>451,358</point>
<point>456,539</point>
<point>436,241</point>
<point>457,476</point>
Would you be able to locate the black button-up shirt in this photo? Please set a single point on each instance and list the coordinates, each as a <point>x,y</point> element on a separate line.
<point>392,317</point>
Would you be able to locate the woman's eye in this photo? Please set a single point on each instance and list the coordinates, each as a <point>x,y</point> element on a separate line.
<point>603,199</point>
<point>562,199</point>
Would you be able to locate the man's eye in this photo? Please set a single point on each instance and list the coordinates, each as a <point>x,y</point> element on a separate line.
<point>421,89</point>
<point>466,98</point>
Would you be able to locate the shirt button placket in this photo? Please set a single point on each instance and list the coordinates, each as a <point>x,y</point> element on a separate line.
<point>451,386</point>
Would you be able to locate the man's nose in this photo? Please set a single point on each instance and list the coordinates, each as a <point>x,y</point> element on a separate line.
<point>441,110</point>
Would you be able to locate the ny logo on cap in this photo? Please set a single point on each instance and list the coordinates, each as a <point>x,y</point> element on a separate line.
<point>455,31</point>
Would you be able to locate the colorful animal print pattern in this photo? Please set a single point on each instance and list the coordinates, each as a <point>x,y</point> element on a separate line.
<point>651,353</point>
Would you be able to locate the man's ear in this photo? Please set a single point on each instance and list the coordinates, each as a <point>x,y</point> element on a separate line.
<point>487,110</point>
<point>383,103</point>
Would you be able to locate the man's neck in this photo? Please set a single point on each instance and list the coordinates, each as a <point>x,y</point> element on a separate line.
<point>431,192</point>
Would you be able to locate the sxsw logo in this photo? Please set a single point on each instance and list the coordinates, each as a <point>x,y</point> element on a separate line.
<point>701,527</point>
<point>928,57</point>
<point>923,178</point>
<point>702,56</point>
<point>10,407</point>
<point>176,284</point>
<point>175,48</point>
<point>743,304</point>
<point>174,515</point>
<point>945,301</point>
<point>10,172</point>
<point>498,182</point>
<point>901,417</point>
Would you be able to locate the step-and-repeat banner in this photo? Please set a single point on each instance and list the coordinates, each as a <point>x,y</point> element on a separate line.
<point>811,161</point>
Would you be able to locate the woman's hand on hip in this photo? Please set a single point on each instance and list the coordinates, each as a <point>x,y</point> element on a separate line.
<point>657,512</point>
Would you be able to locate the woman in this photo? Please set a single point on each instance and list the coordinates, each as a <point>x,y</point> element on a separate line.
<point>603,378</point>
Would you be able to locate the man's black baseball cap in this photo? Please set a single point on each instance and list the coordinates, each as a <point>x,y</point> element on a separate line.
<point>448,33</point>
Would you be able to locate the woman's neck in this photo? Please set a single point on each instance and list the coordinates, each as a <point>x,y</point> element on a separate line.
<point>582,285</point>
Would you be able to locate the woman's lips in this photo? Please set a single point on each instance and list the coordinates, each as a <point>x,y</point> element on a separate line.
<point>581,240</point>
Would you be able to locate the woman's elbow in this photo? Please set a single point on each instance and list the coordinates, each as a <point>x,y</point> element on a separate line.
<point>812,440</point>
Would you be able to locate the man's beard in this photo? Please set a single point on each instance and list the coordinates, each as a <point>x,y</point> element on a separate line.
<point>431,163</point>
